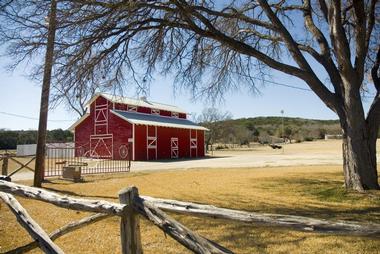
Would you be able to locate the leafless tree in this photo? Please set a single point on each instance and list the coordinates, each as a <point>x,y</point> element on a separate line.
<point>24,30</point>
<point>213,119</point>
<point>212,47</point>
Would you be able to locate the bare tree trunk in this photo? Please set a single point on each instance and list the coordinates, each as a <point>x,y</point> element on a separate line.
<point>42,126</point>
<point>372,148</point>
<point>359,150</point>
<point>359,173</point>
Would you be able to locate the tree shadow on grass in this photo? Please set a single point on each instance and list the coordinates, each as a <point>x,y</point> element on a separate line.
<point>326,199</point>
<point>250,238</point>
<point>325,188</point>
<point>323,199</point>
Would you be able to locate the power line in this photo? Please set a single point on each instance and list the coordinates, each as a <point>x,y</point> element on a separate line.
<point>280,84</point>
<point>247,76</point>
<point>260,79</point>
<point>31,118</point>
<point>284,85</point>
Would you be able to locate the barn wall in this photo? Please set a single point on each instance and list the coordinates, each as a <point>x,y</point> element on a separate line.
<point>122,131</point>
<point>164,142</point>
<point>164,136</point>
<point>184,143</point>
<point>140,142</point>
<point>143,110</point>
<point>86,128</point>
<point>120,106</point>
<point>201,143</point>
<point>82,136</point>
<point>165,113</point>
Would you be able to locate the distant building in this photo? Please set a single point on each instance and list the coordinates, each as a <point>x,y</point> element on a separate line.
<point>336,136</point>
<point>30,149</point>
<point>119,127</point>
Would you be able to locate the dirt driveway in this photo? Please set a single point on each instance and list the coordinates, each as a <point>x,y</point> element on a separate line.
<point>308,153</point>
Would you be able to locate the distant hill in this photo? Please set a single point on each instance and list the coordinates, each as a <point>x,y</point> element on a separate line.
<point>267,129</point>
<point>272,120</point>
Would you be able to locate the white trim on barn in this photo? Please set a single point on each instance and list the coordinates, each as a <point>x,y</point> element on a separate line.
<point>174,148</point>
<point>132,108</point>
<point>101,140</point>
<point>101,117</point>
<point>194,144</point>
<point>133,138</point>
<point>151,142</point>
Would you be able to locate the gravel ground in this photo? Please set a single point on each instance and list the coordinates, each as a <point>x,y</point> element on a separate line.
<point>307,153</point>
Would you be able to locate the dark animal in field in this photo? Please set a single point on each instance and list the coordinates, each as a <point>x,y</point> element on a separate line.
<point>274,146</point>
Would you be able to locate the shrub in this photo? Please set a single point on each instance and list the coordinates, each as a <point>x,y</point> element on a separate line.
<point>220,147</point>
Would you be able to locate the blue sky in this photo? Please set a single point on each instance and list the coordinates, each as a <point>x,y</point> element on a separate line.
<point>20,96</point>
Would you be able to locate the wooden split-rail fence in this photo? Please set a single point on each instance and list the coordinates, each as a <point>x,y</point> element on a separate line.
<point>5,158</point>
<point>132,206</point>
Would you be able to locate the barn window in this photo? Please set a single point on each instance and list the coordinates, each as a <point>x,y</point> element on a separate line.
<point>155,111</point>
<point>175,114</point>
<point>132,108</point>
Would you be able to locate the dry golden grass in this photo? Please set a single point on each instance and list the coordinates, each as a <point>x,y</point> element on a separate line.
<point>314,191</point>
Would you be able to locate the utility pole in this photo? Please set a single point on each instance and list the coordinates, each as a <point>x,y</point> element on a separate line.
<point>282,123</point>
<point>44,107</point>
<point>282,132</point>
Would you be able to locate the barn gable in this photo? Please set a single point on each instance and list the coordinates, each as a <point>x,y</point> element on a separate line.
<point>141,105</point>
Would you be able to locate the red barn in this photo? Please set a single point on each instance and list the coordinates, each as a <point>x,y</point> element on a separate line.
<point>118,127</point>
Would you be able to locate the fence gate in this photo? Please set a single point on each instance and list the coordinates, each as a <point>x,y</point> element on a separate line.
<point>59,157</point>
<point>174,147</point>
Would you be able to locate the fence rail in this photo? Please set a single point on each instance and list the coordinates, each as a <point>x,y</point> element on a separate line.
<point>7,157</point>
<point>131,205</point>
<point>59,157</point>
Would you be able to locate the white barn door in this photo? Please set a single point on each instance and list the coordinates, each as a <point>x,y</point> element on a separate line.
<point>174,148</point>
<point>193,143</point>
<point>151,142</point>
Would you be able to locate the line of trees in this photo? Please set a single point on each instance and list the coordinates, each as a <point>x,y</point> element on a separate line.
<point>9,139</point>
<point>224,130</point>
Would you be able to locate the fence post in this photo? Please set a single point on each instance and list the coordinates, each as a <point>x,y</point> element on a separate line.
<point>130,223</point>
<point>4,168</point>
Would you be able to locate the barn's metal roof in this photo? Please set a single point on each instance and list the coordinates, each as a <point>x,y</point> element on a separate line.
<point>155,120</point>
<point>137,102</point>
